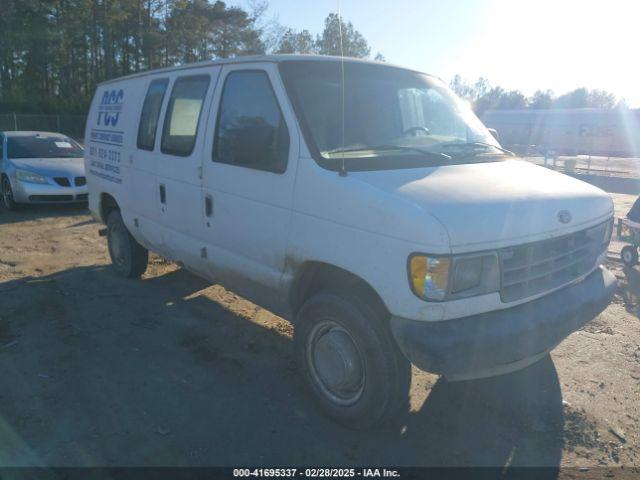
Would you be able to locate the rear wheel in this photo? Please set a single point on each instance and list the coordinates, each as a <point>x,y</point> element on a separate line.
<point>129,258</point>
<point>350,361</point>
<point>7,194</point>
<point>629,256</point>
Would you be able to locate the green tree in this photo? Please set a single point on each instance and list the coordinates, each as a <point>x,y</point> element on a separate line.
<point>578,98</point>
<point>585,98</point>
<point>199,30</point>
<point>481,87</point>
<point>53,53</point>
<point>461,88</point>
<point>489,101</point>
<point>513,99</point>
<point>541,100</point>
<point>467,91</point>
<point>602,99</point>
<point>379,57</point>
<point>234,32</point>
<point>296,42</point>
<point>353,43</point>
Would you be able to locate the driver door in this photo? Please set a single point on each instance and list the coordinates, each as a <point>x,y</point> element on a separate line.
<point>249,170</point>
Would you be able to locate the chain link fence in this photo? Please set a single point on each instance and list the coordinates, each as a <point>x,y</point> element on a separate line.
<point>71,125</point>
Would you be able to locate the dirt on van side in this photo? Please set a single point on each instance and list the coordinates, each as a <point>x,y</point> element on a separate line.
<point>169,370</point>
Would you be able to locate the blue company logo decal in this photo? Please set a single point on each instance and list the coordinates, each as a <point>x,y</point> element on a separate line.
<point>107,137</point>
<point>105,171</point>
<point>110,107</point>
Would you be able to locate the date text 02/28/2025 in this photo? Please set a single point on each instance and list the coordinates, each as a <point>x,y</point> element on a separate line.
<point>316,472</point>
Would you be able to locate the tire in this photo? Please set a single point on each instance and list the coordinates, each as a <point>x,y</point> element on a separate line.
<point>7,195</point>
<point>128,257</point>
<point>350,361</point>
<point>629,256</point>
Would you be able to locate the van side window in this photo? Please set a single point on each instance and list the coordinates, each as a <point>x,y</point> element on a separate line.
<point>183,114</point>
<point>151,113</point>
<point>251,131</point>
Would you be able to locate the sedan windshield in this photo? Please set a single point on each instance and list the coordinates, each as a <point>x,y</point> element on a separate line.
<point>43,146</point>
<point>385,113</point>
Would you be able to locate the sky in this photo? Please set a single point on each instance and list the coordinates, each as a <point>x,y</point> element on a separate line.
<point>517,44</point>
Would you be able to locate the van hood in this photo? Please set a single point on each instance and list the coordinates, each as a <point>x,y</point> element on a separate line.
<point>52,167</point>
<point>496,204</point>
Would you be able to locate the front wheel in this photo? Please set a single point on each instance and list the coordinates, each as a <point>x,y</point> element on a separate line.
<point>629,256</point>
<point>350,361</point>
<point>7,195</point>
<point>129,258</point>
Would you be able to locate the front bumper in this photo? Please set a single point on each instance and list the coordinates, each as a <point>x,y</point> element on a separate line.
<point>47,193</point>
<point>504,340</point>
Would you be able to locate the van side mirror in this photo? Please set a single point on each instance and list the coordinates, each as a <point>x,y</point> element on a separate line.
<point>495,133</point>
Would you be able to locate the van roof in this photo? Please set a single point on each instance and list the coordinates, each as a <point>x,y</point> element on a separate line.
<point>257,58</point>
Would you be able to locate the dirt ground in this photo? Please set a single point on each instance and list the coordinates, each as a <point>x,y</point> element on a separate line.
<point>168,370</point>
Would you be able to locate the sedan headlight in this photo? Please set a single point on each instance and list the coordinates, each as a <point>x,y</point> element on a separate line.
<point>452,277</point>
<point>30,177</point>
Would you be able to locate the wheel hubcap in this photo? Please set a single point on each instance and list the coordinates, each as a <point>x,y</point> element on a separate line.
<point>336,364</point>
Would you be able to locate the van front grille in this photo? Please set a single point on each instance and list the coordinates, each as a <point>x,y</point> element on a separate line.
<point>537,267</point>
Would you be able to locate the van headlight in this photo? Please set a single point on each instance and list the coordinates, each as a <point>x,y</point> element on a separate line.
<point>30,177</point>
<point>439,278</point>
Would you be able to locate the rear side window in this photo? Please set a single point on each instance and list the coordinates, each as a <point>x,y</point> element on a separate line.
<point>183,115</point>
<point>151,113</point>
<point>251,131</point>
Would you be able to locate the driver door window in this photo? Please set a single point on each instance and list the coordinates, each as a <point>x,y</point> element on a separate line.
<point>251,131</point>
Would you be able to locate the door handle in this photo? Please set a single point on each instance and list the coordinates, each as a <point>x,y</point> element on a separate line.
<point>163,194</point>
<point>208,205</point>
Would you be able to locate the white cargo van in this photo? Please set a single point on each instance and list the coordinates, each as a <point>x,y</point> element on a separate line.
<point>365,203</point>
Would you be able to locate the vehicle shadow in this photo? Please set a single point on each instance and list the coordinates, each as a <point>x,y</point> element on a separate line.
<point>513,420</point>
<point>168,370</point>
<point>33,212</point>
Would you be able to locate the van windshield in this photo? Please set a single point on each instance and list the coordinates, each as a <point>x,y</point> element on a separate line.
<point>43,146</point>
<point>390,114</point>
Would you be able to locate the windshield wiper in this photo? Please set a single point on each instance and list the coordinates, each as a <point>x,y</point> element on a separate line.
<point>477,144</point>
<point>426,153</point>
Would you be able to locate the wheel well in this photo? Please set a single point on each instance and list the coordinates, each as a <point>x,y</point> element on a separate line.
<point>107,204</point>
<point>316,276</point>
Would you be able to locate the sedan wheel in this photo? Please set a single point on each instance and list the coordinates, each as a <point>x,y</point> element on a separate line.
<point>7,194</point>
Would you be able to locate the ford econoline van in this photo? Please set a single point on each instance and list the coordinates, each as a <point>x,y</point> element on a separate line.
<point>363,202</point>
